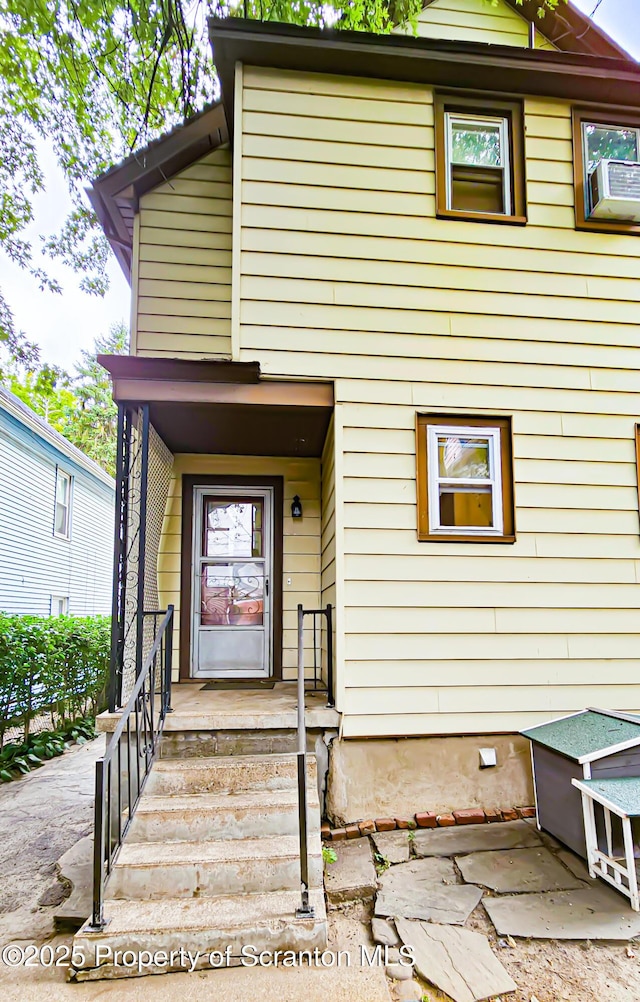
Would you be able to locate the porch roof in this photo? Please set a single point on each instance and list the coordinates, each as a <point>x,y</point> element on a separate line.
<point>224,408</point>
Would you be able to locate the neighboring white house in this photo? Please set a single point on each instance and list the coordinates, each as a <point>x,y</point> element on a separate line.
<point>56,520</point>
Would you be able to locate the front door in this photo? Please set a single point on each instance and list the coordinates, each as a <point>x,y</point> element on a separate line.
<point>231,607</point>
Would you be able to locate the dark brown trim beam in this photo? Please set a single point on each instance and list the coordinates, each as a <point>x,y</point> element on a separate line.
<point>265,394</point>
<point>139,367</point>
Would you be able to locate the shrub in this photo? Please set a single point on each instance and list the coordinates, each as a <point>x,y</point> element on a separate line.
<point>58,664</point>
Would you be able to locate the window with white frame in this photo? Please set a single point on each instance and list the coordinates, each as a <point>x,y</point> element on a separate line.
<point>465,488</point>
<point>59,605</point>
<point>62,516</point>
<point>478,175</point>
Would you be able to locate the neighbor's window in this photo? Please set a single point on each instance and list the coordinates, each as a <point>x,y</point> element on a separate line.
<point>595,138</point>
<point>465,489</point>
<point>479,160</point>
<point>62,519</point>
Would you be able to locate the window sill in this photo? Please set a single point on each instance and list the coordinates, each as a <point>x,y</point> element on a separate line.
<point>604,226</point>
<point>481,217</point>
<point>58,535</point>
<point>438,537</point>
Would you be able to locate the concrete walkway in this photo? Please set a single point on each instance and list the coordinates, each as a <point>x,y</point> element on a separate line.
<point>41,816</point>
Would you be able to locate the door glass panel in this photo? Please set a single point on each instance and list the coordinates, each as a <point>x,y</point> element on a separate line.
<point>232,595</point>
<point>233,528</point>
<point>460,456</point>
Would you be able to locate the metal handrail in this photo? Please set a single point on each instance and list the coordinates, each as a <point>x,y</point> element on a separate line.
<point>306,909</point>
<point>110,829</point>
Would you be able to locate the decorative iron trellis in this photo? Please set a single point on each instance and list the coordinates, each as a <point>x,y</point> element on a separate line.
<point>143,474</point>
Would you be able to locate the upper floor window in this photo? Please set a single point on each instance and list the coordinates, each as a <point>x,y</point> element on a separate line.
<point>464,478</point>
<point>480,168</point>
<point>62,517</point>
<point>606,152</point>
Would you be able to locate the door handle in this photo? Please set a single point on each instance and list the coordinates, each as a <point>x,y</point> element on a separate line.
<point>266,587</point>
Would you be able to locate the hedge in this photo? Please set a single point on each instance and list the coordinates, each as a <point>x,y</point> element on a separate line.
<point>58,665</point>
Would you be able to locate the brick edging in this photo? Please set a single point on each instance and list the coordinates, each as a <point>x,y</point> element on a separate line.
<point>425,819</point>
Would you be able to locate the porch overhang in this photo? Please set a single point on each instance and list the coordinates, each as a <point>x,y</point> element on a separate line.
<point>224,408</point>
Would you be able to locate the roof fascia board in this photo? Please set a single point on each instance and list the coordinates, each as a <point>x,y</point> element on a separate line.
<point>567,24</point>
<point>150,167</point>
<point>434,62</point>
<point>177,370</point>
<point>611,750</point>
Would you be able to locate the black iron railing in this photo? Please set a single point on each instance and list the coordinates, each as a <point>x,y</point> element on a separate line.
<point>321,651</point>
<point>306,909</point>
<point>122,773</point>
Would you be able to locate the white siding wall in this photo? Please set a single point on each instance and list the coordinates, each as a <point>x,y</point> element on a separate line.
<point>346,274</point>
<point>34,564</point>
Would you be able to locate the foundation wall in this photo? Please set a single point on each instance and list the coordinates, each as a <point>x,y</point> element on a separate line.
<point>394,778</point>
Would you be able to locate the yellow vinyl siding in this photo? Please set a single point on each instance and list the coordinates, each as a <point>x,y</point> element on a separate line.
<point>183,278</point>
<point>346,274</point>
<point>301,545</point>
<point>477,21</point>
<point>328,515</point>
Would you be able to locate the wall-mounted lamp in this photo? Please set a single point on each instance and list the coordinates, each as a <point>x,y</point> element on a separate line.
<point>296,507</point>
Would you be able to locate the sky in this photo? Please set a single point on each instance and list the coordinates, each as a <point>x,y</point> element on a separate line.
<point>65,324</point>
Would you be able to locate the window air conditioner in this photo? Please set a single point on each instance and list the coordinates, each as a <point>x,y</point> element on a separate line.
<point>614,188</point>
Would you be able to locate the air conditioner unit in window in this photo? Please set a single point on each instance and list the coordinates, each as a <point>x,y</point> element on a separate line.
<point>614,189</point>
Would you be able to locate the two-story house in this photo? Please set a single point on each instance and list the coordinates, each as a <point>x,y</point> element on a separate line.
<point>56,520</point>
<point>385,358</point>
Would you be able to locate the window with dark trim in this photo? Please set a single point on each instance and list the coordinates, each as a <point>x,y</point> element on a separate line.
<point>599,134</point>
<point>480,162</point>
<point>465,478</point>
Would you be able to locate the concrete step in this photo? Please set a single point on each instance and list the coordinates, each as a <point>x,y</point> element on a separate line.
<point>205,816</point>
<point>201,926</point>
<point>153,870</point>
<point>227,774</point>
<point>226,739</point>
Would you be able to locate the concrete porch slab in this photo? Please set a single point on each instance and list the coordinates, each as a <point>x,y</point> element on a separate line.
<point>593,912</point>
<point>241,709</point>
<point>519,871</point>
<point>457,841</point>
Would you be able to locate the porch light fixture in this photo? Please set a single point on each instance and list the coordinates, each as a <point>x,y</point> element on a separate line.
<point>296,507</point>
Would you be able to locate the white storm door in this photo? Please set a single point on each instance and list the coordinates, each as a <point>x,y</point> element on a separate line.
<point>231,588</point>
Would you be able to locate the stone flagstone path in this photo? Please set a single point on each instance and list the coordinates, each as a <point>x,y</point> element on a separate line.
<point>529,885</point>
